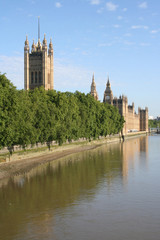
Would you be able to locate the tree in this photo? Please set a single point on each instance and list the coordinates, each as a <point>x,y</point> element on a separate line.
<point>25,120</point>
<point>41,117</point>
<point>29,117</point>
<point>8,110</point>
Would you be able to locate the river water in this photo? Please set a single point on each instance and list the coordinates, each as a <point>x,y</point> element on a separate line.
<point>111,192</point>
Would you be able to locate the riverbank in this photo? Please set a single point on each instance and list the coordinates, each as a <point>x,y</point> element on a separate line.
<point>24,161</point>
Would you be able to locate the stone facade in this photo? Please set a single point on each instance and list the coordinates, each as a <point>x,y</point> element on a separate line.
<point>143,119</point>
<point>38,65</point>
<point>133,121</point>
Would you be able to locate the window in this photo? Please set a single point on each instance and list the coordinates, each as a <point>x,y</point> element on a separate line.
<point>32,76</point>
<point>40,77</point>
<point>35,77</point>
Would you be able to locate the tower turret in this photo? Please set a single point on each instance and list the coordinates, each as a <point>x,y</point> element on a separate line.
<point>51,45</point>
<point>33,46</point>
<point>26,47</point>
<point>39,46</point>
<point>44,42</point>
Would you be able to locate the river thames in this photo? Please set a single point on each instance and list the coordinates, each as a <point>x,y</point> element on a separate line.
<point>111,192</point>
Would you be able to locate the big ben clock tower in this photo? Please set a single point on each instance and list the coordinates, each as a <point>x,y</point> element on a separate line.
<point>108,95</point>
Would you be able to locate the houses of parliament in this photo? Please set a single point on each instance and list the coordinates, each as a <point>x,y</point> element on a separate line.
<point>38,71</point>
<point>134,122</point>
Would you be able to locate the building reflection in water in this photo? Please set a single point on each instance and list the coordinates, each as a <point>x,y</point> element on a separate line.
<point>131,150</point>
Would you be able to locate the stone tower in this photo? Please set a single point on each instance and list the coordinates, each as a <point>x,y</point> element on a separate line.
<point>143,113</point>
<point>108,95</point>
<point>93,89</point>
<point>38,64</point>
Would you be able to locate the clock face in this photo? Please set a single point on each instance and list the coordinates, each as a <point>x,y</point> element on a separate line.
<point>107,97</point>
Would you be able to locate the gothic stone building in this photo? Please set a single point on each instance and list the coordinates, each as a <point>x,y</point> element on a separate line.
<point>38,65</point>
<point>133,121</point>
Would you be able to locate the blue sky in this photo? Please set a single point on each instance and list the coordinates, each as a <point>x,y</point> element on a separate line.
<point>120,38</point>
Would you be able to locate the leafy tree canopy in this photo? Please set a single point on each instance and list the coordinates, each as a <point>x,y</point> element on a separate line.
<point>29,117</point>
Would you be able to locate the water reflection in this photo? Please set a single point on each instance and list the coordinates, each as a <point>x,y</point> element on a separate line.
<point>32,205</point>
<point>131,151</point>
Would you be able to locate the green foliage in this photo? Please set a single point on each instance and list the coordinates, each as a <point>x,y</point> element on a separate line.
<point>153,123</point>
<point>29,117</point>
<point>8,111</point>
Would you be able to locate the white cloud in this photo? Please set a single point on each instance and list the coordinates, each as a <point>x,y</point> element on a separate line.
<point>119,17</point>
<point>30,15</point>
<point>141,18</point>
<point>6,19</point>
<point>105,44</point>
<point>19,9</point>
<point>124,9</point>
<point>128,35</point>
<point>100,10</point>
<point>155,31</point>
<point>118,39</point>
<point>102,26</point>
<point>143,5</point>
<point>111,6</point>
<point>76,49</point>
<point>58,5</point>
<point>129,43</point>
<point>67,77</point>
<point>85,53</point>
<point>154,14</point>
<point>116,26</point>
<point>139,27</point>
<point>144,44</point>
<point>95,2</point>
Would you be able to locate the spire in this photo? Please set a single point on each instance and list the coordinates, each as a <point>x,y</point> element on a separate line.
<point>44,40</point>
<point>26,42</point>
<point>33,46</point>
<point>38,29</point>
<point>93,78</point>
<point>93,83</point>
<point>39,47</point>
<point>26,47</point>
<point>108,82</point>
<point>93,89</point>
<point>50,44</point>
